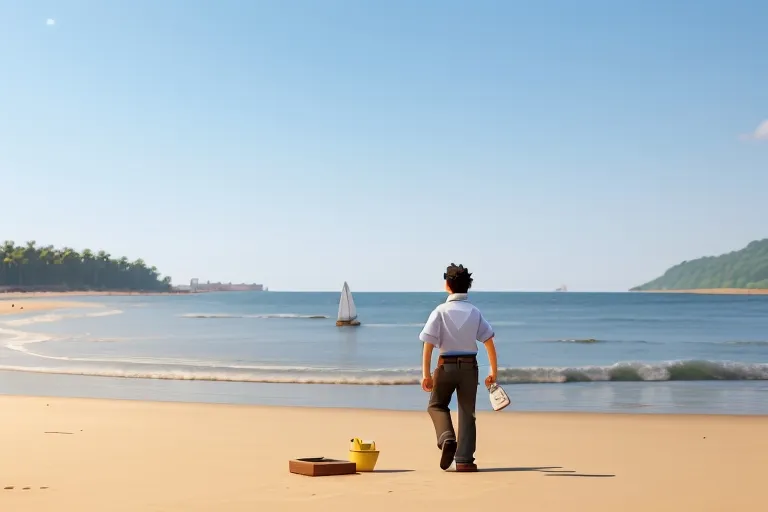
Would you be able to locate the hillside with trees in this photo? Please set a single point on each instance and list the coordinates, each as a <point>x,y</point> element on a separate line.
<point>746,268</point>
<point>30,267</point>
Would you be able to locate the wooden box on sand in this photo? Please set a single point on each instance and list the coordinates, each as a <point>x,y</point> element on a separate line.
<point>320,466</point>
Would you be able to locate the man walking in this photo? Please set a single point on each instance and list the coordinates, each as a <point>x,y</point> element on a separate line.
<point>455,327</point>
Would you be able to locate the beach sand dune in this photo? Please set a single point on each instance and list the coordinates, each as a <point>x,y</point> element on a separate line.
<point>93,455</point>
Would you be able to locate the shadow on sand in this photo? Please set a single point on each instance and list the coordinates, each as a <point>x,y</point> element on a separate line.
<point>547,470</point>
<point>581,475</point>
<point>512,470</point>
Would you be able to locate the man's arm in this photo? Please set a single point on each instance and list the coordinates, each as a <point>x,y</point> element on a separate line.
<point>430,336</point>
<point>486,335</point>
<point>490,347</point>
<point>426,360</point>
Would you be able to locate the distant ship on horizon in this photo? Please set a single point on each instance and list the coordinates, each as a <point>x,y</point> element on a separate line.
<point>562,289</point>
<point>195,286</point>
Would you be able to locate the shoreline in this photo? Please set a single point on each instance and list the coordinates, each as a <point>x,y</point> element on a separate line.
<point>333,409</point>
<point>721,398</point>
<point>712,291</point>
<point>93,455</point>
<point>278,409</point>
<point>83,293</point>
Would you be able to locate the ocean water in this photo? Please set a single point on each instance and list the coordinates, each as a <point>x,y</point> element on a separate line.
<point>557,351</point>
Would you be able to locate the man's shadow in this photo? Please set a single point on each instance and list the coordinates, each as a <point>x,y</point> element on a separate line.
<point>547,470</point>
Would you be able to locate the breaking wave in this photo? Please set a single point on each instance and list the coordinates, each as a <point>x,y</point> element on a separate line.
<point>229,316</point>
<point>226,316</point>
<point>394,325</point>
<point>619,372</point>
<point>593,341</point>
<point>690,370</point>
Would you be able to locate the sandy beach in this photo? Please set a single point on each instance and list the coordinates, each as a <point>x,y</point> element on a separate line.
<point>16,306</point>
<point>54,295</point>
<point>93,455</point>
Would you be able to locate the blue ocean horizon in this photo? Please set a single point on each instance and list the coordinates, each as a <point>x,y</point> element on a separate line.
<point>602,352</point>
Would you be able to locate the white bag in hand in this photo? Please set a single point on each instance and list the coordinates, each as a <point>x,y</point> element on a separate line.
<point>498,396</point>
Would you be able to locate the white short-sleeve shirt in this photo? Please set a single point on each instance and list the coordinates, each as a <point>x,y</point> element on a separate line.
<point>456,326</point>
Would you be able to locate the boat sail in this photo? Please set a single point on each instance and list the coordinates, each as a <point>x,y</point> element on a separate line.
<point>347,310</point>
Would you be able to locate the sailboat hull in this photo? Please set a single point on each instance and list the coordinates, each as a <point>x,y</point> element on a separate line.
<point>347,323</point>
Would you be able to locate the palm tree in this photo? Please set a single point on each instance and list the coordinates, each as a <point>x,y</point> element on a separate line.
<point>19,258</point>
<point>31,259</point>
<point>46,256</point>
<point>87,269</point>
<point>6,258</point>
<point>71,263</point>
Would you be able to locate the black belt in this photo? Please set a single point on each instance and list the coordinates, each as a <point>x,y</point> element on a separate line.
<point>456,359</point>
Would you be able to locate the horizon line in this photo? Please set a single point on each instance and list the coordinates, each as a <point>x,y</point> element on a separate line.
<point>436,291</point>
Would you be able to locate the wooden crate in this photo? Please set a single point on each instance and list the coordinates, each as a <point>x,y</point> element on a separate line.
<point>320,466</point>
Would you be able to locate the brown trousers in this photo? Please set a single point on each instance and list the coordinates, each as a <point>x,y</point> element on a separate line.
<point>459,375</point>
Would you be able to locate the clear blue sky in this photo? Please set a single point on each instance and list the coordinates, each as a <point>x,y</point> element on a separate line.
<point>304,143</point>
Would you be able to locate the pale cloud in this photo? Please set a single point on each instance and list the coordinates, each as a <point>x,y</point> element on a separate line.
<point>50,22</point>
<point>762,131</point>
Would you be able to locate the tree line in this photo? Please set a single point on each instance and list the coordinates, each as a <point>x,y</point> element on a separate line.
<point>745,268</point>
<point>33,267</point>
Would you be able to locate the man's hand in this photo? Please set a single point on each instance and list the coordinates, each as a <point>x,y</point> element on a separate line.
<point>490,380</point>
<point>427,384</point>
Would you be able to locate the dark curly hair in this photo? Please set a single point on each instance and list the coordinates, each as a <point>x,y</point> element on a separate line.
<point>458,277</point>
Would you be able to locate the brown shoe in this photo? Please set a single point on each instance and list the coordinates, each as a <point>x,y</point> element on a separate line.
<point>466,468</point>
<point>448,451</point>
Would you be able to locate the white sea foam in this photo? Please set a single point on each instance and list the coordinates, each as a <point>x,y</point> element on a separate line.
<point>110,312</point>
<point>18,341</point>
<point>16,338</point>
<point>56,317</point>
<point>394,325</point>
<point>274,315</point>
<point>192,370</point>
<point>500,323</point>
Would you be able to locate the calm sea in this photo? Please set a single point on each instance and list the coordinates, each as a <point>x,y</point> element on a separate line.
<point>557,351</point>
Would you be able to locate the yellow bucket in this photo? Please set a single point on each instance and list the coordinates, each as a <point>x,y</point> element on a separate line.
<point>363,454</point>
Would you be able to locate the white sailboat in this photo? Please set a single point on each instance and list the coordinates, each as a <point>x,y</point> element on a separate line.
<point>347,310</point>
